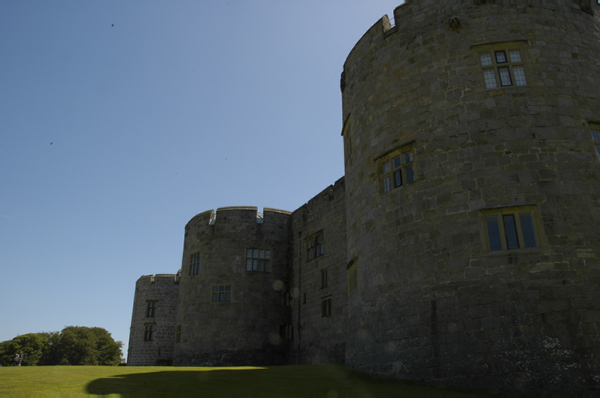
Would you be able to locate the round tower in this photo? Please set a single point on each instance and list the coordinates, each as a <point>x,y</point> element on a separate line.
<point>233,288</point>
<point>153,320</point>
<point>472,142</point>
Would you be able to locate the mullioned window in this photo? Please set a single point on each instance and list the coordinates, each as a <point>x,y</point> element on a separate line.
<point>195,264</point>
<point>258,260</point>
<point>503,65</point>
<point>511,228</point>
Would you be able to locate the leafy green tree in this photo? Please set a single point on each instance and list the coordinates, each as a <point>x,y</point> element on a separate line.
<point>74,345</point>
<point>33,345</point>
<point>79,345</point>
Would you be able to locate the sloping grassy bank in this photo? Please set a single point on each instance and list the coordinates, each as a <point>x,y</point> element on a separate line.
<point>278,381</point>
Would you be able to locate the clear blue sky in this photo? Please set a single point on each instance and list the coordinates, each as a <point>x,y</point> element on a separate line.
<point>121,120</point>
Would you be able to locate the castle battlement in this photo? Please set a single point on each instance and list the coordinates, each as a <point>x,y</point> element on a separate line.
<point>236,217</point>
<point>158,279</point>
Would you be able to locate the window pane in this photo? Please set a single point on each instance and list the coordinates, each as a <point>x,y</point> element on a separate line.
<point>255,253</point>
<point>261,254</point>
<point>490,78</point>
<point>515,56</point>
<point>261,265</point>
<point>397,162</point>
<point>397,178</point>
<point>215,297</point>
<point>227,296</point>
<point>249,264</point>
<point>216,289</point>
<point>500,57</point>
<point>249,253</point>
<point>598,150</point>
<point>519,72</point>
<point>408,157</point>
<point>510,230</point>
<point>267,266</point>
<point>527,229</point>
<point>387,184</point>
<point>267,254</point>
<point>494,233</point>
<point>255,265</point>
<point>227,288</point>
<point>385,168</point>
<point>221,288</point>
<point>596,136</point>
<point>221,296</point>
<point>486,59</point>
<point>410,174</point>
<point>504,77</point>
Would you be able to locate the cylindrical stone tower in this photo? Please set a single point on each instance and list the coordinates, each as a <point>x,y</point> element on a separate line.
<point>233,289</point>
<point>153,319</point>
<point>472,134</point>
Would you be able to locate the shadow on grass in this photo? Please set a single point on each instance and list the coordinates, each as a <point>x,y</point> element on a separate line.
<point>310,380</point>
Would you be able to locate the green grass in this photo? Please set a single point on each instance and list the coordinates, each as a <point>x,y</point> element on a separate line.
<point>277,381</point>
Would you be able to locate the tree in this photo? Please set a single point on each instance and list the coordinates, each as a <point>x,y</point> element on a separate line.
<point>74,345</point>
<point>79,345</point>
<point>35,347</point>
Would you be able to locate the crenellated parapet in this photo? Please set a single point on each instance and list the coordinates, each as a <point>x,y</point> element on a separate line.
<point>158,279</point>
<point>235,218</point>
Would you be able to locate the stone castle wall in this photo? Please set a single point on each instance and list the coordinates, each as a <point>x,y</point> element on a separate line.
<point>156,348</point>
<point>424,278</point>
<point>435,302</point>
<point>246,328</point>
<point>320,338</point>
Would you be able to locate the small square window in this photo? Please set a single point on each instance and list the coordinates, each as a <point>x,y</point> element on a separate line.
<point>503,69</point>
<point>221,293</point>
<point>486,59</point>
<point>258,260</point>
<point>515,56</point>
<point>500,57</point>
<point>397,170</point>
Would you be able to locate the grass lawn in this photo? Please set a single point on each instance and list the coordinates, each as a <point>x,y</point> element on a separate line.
<point>302,381</point>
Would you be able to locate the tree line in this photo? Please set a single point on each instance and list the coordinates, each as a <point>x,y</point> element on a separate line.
<point>74,345</point>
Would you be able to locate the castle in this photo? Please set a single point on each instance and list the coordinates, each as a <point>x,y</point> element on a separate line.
<point>462,244</point>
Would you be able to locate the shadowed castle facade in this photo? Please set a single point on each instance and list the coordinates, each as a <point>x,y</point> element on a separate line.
<point>462,245</point>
